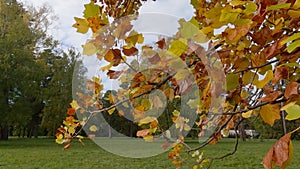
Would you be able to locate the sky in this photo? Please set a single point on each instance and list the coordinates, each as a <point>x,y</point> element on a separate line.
<point>66,10</point>
<point>167,14</point>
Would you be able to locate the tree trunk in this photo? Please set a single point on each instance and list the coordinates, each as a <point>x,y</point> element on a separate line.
<point>4,132</point>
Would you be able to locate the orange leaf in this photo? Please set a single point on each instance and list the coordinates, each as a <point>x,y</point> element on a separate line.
<point>279,153</point>
<point>291,88</point>
<point>71,111</point>
<point>270,97</point>
<point>67,146</point>
<point>269,113</point>
<point>113,56</point>
<point>142,133</point>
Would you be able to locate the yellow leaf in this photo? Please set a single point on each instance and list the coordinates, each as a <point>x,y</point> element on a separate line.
<point>74,104</point>
<point>71,130</point>
<point>93,128</point>
<point>146,103</point>
<point>178,47</point>
<point>82,25</point>
<point>148,138</point>
<point>296,4</point>
<point>146,120</point>
<point>261,83</point>
<point>89,49</point>
<point>269,113</point>
<point>111,111</point>
<point>294,13</point>
<point>247,114</point>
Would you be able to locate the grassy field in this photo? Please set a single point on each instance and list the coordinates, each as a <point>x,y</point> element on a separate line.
<point>44,153</point>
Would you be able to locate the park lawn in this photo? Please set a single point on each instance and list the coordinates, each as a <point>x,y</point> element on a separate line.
<point>45,153</point>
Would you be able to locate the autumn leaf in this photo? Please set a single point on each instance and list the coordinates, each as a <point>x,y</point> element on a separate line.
<point>291,88</point>
<point>112,74</point>
<point>71,111</point>
<point>278,6</point>
<point>111,111</point>
<point>82,25</point>
<point>280,153</point>
<point>293,111</point>
<point>130,51</point>
<point>269,113</point>
<point>146,120</point>
<point>271,97</point>
<point>113,56</point>
<point>74,104</point>
<point>67,146</point>
<point>232,81</point>
<point>89,49</point>
<point>261,83</point>
<point>247,114</point>
<point>281,72</point>
<point>161,43</point>
<point>178,47</point>
<point>93,128</point>
<point>91,9</point>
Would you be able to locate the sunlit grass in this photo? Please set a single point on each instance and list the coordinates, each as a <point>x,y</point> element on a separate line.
<point>44,153</point>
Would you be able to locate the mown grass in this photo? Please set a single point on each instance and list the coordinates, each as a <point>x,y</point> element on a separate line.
<point>44,153</point>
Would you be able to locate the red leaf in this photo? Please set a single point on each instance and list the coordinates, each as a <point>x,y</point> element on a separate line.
<point>291,88</point>
<point>161,43</point>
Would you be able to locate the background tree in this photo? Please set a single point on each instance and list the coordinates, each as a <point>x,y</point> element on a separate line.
<point>31,65</point>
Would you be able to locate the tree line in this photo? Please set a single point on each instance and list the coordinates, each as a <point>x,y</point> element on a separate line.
<point>35,72</point>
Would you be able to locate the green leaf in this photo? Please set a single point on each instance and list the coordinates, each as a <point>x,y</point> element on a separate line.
<point>250,8</point>
<point>91,10</point>
<point>293,46</point>
<point>232,81</point>
<point>229,15</point>
<point>187,29</point>
<point>278,6</point>
<point>178,47</point>
<point>293,111</point>
<point>291,38</point>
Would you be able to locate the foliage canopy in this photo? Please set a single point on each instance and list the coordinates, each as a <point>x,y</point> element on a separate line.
<point>250,69</point>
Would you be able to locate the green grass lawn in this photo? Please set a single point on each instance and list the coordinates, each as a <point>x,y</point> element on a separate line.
<point>44,153</point>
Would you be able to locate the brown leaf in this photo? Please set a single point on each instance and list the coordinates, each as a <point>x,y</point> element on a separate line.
<point>113,56</point>
<point>262,36</point>
<point>272,50</point>
<point>71,111</point>
<point>130,52</point>
<point>279,153</point>
<point>270,97</point>
<point>161,43</point>
<point>154,59</point>
<point>291,88</point>
<point>280,73</point>
<point>114,74</point>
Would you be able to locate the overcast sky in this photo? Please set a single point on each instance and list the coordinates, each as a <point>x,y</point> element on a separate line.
<point>167,14</point>
<point>66,10</point>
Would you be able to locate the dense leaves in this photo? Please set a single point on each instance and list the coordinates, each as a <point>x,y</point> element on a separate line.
<point>251,68</point>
